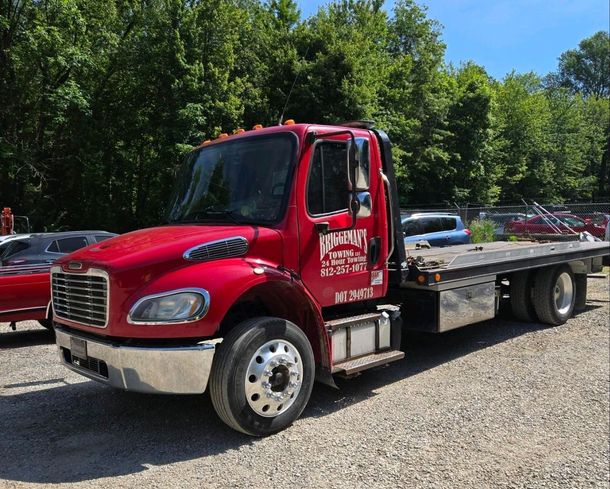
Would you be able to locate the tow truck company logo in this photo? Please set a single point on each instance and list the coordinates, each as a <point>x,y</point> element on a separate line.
<point>354,237</point>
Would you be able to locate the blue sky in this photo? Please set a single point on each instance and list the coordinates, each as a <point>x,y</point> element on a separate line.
<point>527,35</point>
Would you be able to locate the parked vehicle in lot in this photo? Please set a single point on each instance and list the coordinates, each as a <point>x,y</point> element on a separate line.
<point>597,218</point>
<point>437,229</point>
<point>284,262</point>
<point>552,223</point>
<point>40,248</point>
<point>501,218</point>
<point>25,292</point>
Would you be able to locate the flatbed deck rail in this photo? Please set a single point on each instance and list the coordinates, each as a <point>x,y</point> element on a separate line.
<point>431,266</point>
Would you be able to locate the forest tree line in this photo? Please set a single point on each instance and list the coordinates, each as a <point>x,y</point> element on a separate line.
<point>100,99</point>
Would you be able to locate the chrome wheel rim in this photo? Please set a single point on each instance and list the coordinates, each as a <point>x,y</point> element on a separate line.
<point>563,293</point>
<point>273,378</point>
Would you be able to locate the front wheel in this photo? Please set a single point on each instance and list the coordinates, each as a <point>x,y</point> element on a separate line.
<point>262,376</point>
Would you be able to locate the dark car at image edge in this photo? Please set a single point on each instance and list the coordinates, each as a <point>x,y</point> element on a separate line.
<point>45,248</point>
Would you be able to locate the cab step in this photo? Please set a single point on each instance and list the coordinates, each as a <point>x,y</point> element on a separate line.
<point>355,365</point>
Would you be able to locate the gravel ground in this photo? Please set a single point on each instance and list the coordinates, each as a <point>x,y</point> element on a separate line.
<point>498,404</point>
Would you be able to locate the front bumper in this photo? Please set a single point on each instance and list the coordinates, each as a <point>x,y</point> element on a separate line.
<point>157,370</point>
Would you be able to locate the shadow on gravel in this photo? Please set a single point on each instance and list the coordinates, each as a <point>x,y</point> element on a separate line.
<point>18,339</point>
<point>86,431</point>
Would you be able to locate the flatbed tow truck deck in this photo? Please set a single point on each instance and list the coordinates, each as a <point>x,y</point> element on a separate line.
<point>427,267</point>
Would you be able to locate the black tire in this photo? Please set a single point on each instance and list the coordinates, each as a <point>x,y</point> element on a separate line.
<point>521,304</point>
<point>47,323</point>
<point>230,367</point>
<point>580,279</point>
<point>547,309</point>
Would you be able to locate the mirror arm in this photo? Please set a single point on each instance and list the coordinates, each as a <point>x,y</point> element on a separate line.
<point>386,182</point>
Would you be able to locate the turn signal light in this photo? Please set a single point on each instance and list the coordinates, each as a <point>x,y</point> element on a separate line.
<point>421,279</point>
<point>289,122</point>
<point>437,277</point>
<point>257,126</point>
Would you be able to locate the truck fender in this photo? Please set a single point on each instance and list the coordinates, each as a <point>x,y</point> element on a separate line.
<point>283,295</point>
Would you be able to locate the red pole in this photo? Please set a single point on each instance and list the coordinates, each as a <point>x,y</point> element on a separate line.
<point>6,221</point>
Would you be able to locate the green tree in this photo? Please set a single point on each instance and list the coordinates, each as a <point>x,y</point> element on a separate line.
<point>523,125</point>
<point>586,70</point>
<point>473,154</point>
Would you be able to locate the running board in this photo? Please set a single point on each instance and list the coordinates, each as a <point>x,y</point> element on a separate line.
<point>353,366</point>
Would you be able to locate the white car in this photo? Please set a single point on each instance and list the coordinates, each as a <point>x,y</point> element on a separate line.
<point>8,237</point>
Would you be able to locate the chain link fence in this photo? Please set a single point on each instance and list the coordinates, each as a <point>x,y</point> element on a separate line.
<point>529,219</point>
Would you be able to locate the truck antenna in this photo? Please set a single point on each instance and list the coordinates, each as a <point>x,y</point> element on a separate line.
<point>290,92</point>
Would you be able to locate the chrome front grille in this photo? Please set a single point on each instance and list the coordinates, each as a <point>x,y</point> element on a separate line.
<point>81,297</point>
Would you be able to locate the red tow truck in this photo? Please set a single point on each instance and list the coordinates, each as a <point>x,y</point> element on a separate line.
<point>283,262</point>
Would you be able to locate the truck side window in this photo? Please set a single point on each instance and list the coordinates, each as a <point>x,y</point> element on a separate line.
<point>327,186</point>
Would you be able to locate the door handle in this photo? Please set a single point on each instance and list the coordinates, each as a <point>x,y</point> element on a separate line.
<point>374,250</point>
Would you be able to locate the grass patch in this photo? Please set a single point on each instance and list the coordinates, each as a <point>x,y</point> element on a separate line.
<point>483,230</point>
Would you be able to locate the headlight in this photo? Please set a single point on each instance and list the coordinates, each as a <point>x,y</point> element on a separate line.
<point>176,306</point>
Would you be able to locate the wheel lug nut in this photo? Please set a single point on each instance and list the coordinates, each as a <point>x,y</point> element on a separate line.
<point>266,385</point>
<point>267,373</point>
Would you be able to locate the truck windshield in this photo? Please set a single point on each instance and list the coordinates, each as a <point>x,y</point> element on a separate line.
<point>242,181</point>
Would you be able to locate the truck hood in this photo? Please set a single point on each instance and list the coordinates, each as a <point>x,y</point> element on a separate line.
<point>165,245</point>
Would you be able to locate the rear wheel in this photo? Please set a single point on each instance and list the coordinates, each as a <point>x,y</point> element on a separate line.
<point>580,281</point>
<point>554,294</point>
<point>262,376</point>
<point>521,296</point>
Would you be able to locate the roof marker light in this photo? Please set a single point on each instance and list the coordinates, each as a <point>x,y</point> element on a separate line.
<point>239,130</point>
<point>256,127</point>
<point>223,135</point>
<point>289,122</point>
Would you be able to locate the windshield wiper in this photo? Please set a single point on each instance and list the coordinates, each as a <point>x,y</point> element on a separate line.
<point>208,214</point>
<point>224,212</point>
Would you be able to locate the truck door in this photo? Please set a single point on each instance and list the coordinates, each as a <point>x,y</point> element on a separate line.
<point>340,263</point>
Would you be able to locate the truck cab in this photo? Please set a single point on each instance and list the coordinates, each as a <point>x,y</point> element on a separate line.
<point>279,229</point>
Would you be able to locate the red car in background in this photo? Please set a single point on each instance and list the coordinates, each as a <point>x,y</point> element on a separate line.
<point>25,294</point>
<point>553,224</point>
<point>25,261</point>
<point>598,218</point>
